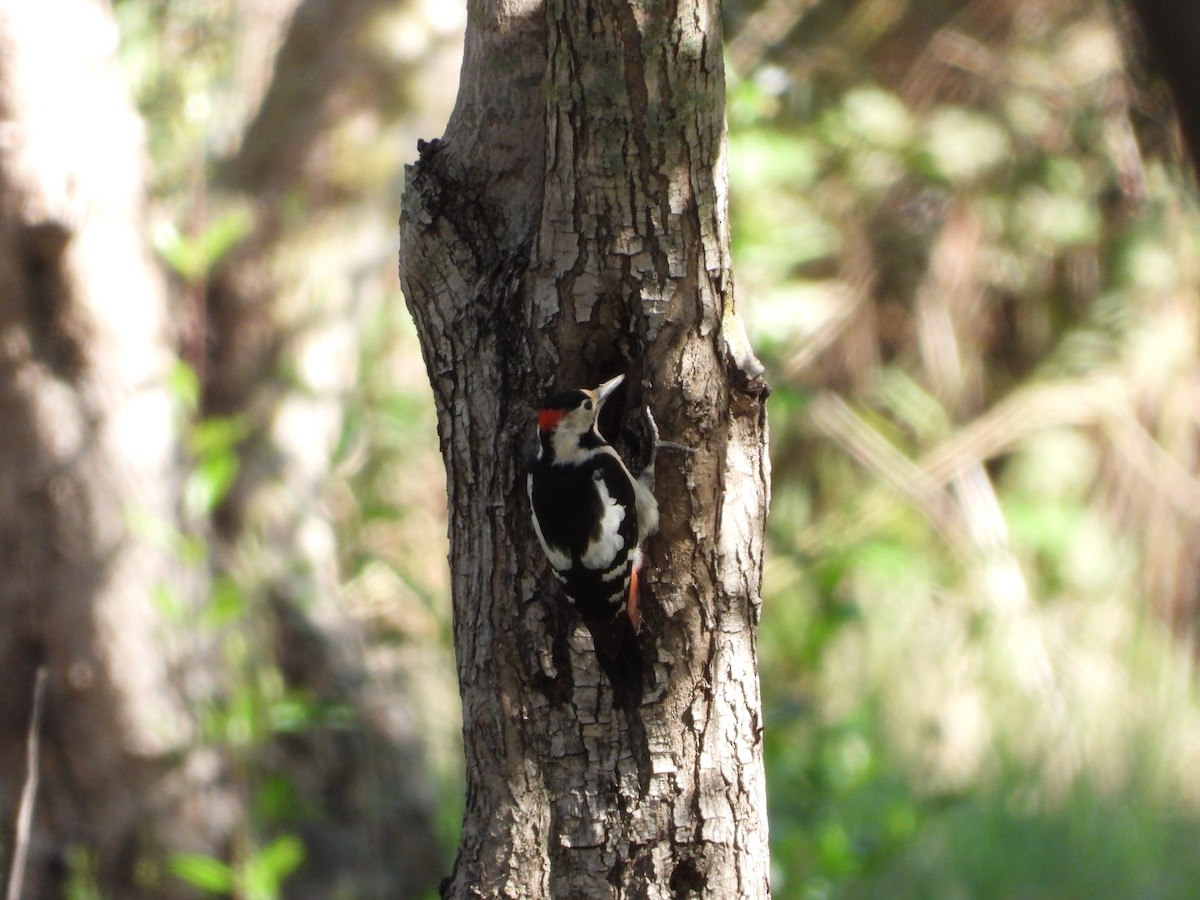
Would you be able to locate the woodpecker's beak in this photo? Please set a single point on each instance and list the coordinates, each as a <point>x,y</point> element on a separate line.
<point>603,392</point>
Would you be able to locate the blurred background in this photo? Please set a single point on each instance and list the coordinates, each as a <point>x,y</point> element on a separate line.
<point>965,247</point>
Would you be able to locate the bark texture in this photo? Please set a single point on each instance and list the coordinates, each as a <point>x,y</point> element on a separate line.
<point>570,225</point>
<point>87,447</point>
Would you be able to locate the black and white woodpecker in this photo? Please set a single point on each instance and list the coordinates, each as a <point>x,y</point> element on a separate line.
<point>591,514</point>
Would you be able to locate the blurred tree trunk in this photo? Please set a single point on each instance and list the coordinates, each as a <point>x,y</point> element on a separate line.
<point>281,353</point>
<point>572,224</point>
<point>1171,33</point>
<point>87,447</point>
<point>90,470</point>
<point>1162,45</point>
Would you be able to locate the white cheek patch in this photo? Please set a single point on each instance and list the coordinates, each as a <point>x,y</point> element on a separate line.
<point>566,445</point>
<point>603,549</point>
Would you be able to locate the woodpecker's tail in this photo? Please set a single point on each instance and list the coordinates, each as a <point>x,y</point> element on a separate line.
<point>612,637</point>
<point>620,658</point>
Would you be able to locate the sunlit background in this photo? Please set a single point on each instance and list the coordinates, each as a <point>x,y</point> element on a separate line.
<point>965,249</point>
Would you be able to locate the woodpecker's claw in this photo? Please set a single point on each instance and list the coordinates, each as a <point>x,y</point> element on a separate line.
<point>652,426</point>
<point>656,444</point>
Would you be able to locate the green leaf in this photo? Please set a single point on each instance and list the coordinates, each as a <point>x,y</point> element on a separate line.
<point>202,871</point>
<point>184,385</point>
<point>292,714</point>
<point>219,434</point>
<point>277,798</point>
<point>270,866</point>
<point>209,484</point>
<point>223,234</point>
<point>168,602</point>
<point>281,857</point>
<point>193,257</point>
<point>226,604</point>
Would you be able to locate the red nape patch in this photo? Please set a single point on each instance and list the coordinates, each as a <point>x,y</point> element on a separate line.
<point>549,418</point>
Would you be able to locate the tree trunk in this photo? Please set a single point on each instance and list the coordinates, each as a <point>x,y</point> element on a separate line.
<point>1171,33</point>
<point>570,225</point>
<point>87,447</point>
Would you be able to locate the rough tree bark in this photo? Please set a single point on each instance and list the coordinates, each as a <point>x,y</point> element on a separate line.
<point>87,445</point>
<point>572,224</point>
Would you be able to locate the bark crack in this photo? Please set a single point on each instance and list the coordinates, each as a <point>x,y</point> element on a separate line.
<point>649,801</point>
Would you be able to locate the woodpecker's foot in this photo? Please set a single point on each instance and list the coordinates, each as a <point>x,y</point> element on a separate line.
<point>649,450</point>
<point>656,444</point>
<point>652,428</point>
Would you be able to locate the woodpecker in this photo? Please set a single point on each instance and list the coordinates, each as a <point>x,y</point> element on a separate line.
<point>590,514</point>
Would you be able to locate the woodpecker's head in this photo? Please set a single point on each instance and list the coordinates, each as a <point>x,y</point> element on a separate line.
<point>567,422</point>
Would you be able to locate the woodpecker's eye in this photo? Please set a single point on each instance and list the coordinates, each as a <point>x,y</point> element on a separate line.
<point>587,404</point>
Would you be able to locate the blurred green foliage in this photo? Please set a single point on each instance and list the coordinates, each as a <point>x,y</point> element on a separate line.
<point>967,255</point>
<point>192,258</point>
<point>258,878</point>
<point>966,252</point>
<point>178,58</point>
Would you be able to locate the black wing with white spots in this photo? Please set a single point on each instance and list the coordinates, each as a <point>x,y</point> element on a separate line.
<point>586,519</point>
